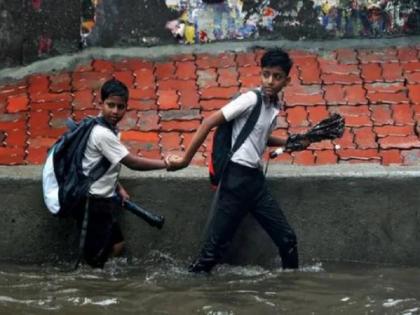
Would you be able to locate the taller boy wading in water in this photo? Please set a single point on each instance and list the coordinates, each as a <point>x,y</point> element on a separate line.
<point>243,187</point>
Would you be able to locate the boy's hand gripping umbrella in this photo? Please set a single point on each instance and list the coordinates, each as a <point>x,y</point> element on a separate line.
<point>153,219</point>
<point>329,128</point>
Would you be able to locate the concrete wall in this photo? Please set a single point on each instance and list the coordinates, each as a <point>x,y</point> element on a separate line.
<point>11,33</point>
<point>36,29</point>
<point>362,213</point>
<point>32,30</point>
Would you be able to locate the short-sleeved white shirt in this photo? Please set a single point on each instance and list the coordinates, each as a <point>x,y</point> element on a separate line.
<point>239,109</point>
<point>104,143</point>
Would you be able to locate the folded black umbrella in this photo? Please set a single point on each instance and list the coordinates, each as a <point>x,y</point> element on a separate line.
<point>148,216</point>
<point>329,128</point>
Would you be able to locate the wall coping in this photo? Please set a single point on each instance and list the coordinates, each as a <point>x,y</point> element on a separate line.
<point>160,52</point>
<point>33,172</point>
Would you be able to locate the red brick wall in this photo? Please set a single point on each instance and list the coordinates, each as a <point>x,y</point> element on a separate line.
<point>377,91</point>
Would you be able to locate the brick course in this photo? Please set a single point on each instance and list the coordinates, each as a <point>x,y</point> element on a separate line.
<point>377,91</point>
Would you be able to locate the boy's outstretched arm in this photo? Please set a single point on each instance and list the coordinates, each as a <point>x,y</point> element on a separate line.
<point>276,141</point>
<point>138,163</point>
<point>208,123</point>
<point>279,142</point>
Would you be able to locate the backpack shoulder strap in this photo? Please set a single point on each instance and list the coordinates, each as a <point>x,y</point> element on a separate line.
<point>79,134</point>
<point>250,123</point>
<point>103,165</point>
<point>99,169</point>
<point>71,124</point>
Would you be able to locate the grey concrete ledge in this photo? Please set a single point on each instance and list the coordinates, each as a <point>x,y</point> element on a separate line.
<point>367,213</point>
<point>31,172</point>
<point>160,52</point>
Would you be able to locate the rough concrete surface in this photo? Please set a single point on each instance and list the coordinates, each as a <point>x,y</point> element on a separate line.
<point>366,213</point>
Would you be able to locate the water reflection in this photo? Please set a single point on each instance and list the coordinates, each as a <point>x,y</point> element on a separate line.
<point>161,285</point>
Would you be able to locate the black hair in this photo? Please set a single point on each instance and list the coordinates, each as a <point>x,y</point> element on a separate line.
<point>277,57</point>
<point>114,87</point>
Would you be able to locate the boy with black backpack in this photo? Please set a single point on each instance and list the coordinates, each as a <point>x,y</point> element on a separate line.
<point>102,236</point>
<point>242,186</point>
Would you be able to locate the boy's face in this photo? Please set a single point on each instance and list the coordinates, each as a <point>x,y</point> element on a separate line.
<point>113,109</point>
<point>274,79</point>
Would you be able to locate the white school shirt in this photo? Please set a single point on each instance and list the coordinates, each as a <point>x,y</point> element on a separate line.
<point>250,152</point>
<point>104,143</point>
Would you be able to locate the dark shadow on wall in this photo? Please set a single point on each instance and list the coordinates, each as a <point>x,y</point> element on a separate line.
<point>36,29</point>
<point>11,33</point>
<point>130,22</point>
<point>31,30</point>
<point>50,28</point>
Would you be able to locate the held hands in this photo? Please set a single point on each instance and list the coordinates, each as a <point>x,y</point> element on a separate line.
<point>174,163</point>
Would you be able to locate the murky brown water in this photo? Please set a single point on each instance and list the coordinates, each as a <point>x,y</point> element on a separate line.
<point>161,285</point>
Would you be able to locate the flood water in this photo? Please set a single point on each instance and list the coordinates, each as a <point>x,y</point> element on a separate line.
<point>161,285</point>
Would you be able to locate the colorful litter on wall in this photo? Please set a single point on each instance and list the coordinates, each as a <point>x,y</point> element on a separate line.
<point>352,18</point>
<point>202,21</point>
<point>88,19</point>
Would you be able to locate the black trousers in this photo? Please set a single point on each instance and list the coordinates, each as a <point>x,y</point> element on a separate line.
<point>103,231</point>
<point>244,190</point>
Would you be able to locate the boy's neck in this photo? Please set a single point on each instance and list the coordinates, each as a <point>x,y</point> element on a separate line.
<point>114,128</point>
<point>270,99</point>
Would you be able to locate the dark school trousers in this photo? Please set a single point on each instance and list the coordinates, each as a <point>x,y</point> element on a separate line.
<point>103,231</point>
<point>244,189</point>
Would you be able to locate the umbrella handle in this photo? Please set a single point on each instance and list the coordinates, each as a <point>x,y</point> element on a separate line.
<point>276,152</point>
<point>148,216</point>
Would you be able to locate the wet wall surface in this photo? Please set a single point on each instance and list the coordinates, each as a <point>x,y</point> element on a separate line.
<point>37,29</point>
<point>350,216</point>
<point>32,30</point>
<point>11,33</point>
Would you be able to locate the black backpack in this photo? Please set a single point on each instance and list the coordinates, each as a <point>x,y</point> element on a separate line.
<point>222,149</point>
<point>65,187</point>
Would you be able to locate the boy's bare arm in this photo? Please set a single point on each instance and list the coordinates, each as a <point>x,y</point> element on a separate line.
<point>276,141</point>
<point>198,138</point>
<point>279,142</point>
<point>138,163</point>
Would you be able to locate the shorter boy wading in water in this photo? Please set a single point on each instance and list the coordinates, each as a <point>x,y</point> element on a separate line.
<point>104,237</point>
<point>243,187</point>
